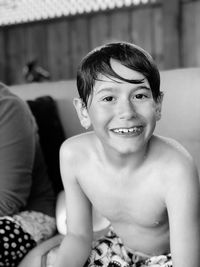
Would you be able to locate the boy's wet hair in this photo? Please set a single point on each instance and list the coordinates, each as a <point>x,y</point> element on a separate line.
<point>98,62</point>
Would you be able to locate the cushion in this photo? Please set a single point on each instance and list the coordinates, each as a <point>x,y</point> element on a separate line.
<point>51,135</point>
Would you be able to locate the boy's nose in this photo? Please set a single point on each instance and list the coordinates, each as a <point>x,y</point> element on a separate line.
<point>127,110</point>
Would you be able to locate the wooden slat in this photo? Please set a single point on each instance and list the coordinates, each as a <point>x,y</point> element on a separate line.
<point>99,29</point>
<point>36,43</point>
<point>15,51</point>
<point>171,33</point>
<point>58,50</point>
<point>191,34</point>
<point>157,47</point>
<point>79,41</point>
<point>142,31</point>
<point>2,56</point>
<point>120,25</point>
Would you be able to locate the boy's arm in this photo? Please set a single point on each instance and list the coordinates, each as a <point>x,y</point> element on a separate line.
<point>183,204</point>
<point>76,245</point>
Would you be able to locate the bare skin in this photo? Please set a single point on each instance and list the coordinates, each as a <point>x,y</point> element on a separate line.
<point>145,185</point>
<point>133,201</point>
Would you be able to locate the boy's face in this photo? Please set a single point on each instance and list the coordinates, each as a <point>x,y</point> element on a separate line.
<point>123,115</point>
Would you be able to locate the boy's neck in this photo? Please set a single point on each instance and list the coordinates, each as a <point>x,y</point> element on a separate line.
<point>119,160</point>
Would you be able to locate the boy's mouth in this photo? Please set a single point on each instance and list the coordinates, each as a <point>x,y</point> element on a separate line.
<point>136,130</point>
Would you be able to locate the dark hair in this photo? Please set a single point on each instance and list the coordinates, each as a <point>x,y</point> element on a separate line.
<point>98,62</point>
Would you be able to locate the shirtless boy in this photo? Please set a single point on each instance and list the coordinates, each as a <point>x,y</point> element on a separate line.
<point>146,185</point>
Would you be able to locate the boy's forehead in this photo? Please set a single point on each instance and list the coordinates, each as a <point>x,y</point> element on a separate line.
<point>104,81</point>
<point>124,71</point>
<point>120,70</point>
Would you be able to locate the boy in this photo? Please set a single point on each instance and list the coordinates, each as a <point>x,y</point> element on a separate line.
<point>146,185</point>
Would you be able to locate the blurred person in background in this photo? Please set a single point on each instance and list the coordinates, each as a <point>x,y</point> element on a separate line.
<point>27,201</point>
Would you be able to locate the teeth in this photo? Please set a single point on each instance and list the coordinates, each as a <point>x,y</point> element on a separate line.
<point>126,130</point>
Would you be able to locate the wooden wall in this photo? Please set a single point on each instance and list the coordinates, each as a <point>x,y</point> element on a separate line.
<point>168,30</point>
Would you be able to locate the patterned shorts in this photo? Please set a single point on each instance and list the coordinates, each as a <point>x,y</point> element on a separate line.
<point>20,233</point>
<point>109,251</point>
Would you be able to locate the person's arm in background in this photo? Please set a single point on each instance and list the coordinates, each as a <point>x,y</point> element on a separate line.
<point>76,245</point>
<point>17,150</point>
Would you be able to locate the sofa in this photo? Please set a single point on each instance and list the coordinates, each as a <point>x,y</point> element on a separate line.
<point>180,117</point>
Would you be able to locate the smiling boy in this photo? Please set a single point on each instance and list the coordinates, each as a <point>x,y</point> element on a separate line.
<point>146,185</point>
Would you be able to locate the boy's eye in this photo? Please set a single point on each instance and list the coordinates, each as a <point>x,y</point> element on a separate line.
<point>140,96</point>
<point>108,98</point>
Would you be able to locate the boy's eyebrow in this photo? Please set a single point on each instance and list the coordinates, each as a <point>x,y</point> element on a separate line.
<point>143,87</point>
<point>106,89</point>
<point>110,89</point>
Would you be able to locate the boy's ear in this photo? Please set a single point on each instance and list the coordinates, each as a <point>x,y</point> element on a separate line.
<point>159,106</point>
<point>82,113</point>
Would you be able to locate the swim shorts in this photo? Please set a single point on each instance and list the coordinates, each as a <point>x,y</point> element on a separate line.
<point>21,232</point>
<point>109,251</point>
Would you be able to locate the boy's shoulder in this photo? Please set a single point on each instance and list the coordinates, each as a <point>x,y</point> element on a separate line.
<point>78,144</point>
<point>170,148</point>
<point>79,139</point>
<point>174,158</point>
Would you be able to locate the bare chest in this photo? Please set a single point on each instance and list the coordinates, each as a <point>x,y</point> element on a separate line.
<point>127,200</point>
